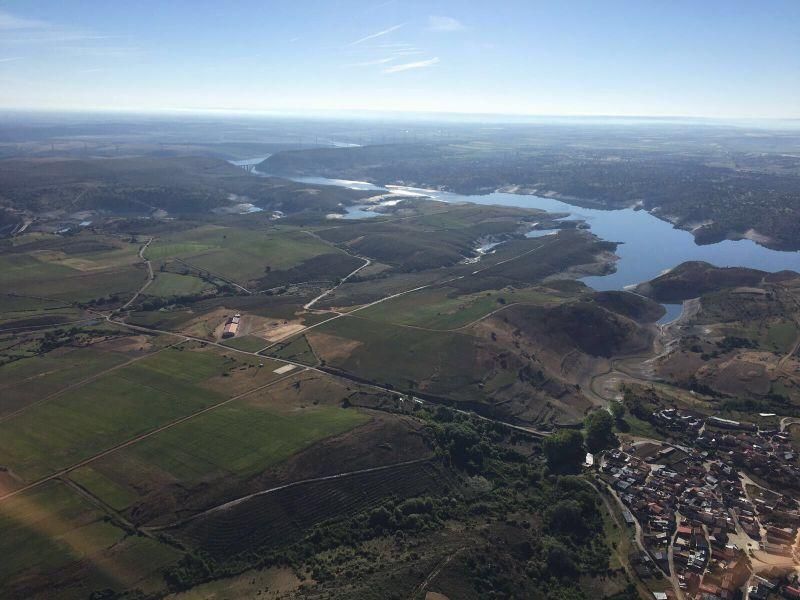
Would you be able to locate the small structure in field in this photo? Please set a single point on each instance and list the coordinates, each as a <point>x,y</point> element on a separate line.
<point>232,326</point>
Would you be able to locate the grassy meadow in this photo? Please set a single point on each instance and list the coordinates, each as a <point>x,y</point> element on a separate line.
<point>53,532</point>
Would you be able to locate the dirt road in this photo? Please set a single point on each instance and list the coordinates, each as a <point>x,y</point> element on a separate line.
<point>230,504</point>
<point>220,277</point>
<point>308,305</point>
<point>150,275</point>
<point>110,318</point>
<point>139,438</point>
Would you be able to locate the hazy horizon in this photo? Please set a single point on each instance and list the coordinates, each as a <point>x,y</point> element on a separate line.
<point>718,60</point>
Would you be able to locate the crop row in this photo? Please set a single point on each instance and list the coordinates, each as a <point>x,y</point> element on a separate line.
<point>277,519</point>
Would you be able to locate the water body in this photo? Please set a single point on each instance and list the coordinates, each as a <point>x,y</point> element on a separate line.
<point>647,247</point>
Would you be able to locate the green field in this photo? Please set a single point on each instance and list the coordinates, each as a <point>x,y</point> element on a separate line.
<point>172,284</point>
<point>297,350</point>
<point>637,427</point>
<point>241,438</point>
<point>443,309</point>
<point>434,309</point>
<point>85,250</point>
<point>220,449</point>
<point>77,268</point>
<point>782,336</point>
<point>33,318</point>
<point>171,320</point>
<point>248,343</point>
<point>19,269</point>
<point>16,311</point>
<point>401,356</point>
<point>31,379</point>
<point>26,275</point>
<point>53,529</point>
<point>108,410</point>
<point>237,253</point>
<point>113,494</point>
<point>17,304</point>
<point>159,250</point>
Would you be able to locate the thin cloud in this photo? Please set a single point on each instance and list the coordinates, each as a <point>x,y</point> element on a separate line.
<point>10,22</point>
<point>372,63</point>
<point>19,30</point>
<point>376,35</point>
<point>440,23</point>
<point>102,51</point>
<point>381,5</point>
<point>10,59</point>
<point>420,64</point>
<point>394,45</point>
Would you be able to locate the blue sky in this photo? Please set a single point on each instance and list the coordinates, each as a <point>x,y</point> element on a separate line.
<point>613,57</point>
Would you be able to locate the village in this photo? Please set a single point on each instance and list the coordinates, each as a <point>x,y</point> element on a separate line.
<point>714,513</point>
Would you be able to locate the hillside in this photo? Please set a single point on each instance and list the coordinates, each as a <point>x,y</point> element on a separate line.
<point>685,188</point>
<point>693,279</point>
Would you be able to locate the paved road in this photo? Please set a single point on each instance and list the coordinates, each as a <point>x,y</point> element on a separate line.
<point>638,534</point>
<point>302,367</point>
<point>110,318</point>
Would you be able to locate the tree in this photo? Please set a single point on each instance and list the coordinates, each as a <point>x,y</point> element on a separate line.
<point>560,560</point>
<point>599,426</point>
<point>564,451</point>
<point>464,445</point>
<point>635,405</point>
<point>566,516</point>
<point>617,409</point>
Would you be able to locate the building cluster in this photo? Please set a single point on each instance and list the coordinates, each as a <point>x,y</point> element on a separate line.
<point>768,454</point>
<point>692,508</point>
<point>675,420</point>
<point>762,588</point>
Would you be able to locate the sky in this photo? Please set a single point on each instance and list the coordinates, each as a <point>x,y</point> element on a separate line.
<point>709,58</point>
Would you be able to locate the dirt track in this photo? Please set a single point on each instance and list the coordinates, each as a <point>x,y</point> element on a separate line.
<point>150,275</point>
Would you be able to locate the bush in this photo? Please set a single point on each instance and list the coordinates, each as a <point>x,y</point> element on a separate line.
<point>564,451</point>
<point>599,427</point>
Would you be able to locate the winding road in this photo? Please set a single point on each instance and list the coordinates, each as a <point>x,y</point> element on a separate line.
<point>150,276</point>
<point>308,305</point>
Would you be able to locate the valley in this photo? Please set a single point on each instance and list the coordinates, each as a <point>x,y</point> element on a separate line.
<point>382,418</point>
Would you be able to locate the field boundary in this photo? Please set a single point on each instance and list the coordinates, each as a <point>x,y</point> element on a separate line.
<point>139,438</point>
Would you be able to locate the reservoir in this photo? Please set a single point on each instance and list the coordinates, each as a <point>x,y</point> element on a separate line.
<point>648,246</point>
